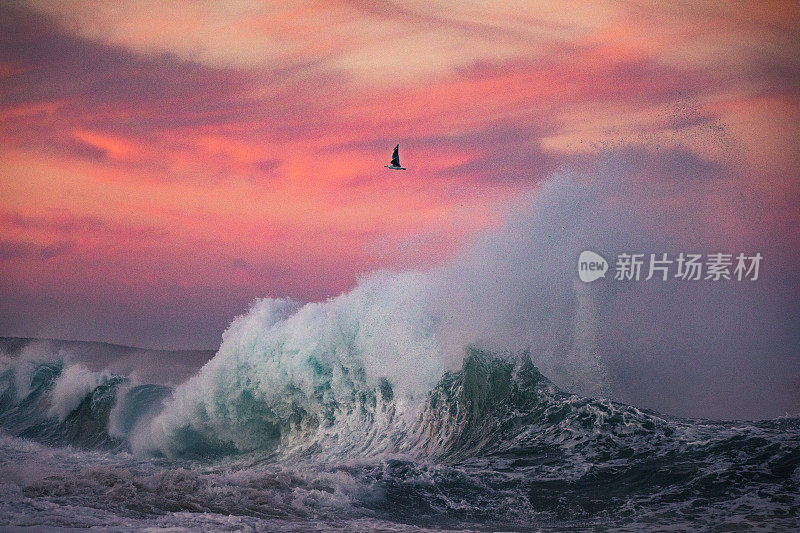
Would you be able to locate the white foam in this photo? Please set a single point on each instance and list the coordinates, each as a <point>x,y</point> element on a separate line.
<point>308,358</point>
<point>71,387</point>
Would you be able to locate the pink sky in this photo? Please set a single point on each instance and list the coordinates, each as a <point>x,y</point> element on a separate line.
<point>161,166</point>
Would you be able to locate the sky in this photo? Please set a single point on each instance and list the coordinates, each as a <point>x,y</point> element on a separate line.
<point>163,165</point>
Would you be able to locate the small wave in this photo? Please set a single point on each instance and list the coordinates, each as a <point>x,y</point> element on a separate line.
<point>61,403</point>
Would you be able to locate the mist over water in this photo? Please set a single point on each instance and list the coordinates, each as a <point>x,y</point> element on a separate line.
<point>706,349</point>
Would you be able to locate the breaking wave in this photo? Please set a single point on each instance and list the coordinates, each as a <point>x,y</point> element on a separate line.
<point>358,375</point>
<point>311,410</point>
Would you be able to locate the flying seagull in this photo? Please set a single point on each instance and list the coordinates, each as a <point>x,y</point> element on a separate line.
<point>395,164</point>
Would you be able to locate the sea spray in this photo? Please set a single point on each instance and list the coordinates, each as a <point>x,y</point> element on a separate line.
<point>284,370</point>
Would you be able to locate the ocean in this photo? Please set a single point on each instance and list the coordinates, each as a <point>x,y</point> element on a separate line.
<point>269,434</point>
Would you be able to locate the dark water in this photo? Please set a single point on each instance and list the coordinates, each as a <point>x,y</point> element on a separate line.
<point>493,446</point>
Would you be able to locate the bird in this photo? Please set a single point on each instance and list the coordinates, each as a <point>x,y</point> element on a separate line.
<point>395,164</point>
